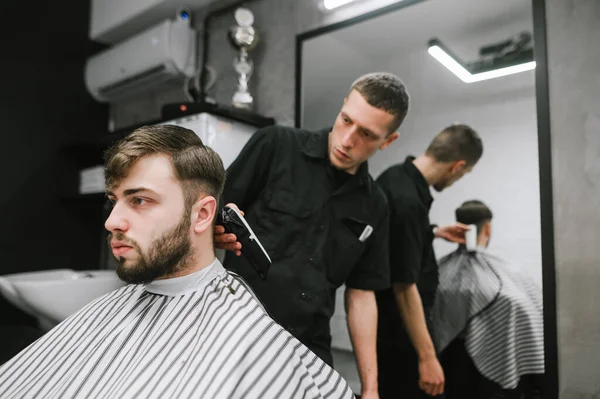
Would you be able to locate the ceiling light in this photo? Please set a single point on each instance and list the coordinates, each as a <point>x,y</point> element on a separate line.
<point>528,66</point>
<point>331,4</point>
<point>458,68</point>
<point>453,66</point>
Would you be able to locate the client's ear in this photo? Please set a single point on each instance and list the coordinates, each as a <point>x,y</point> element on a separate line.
<point>488,229</point>
<point>203,214</point>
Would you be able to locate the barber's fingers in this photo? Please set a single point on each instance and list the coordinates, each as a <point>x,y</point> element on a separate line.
<point>226,241</point>
<point>235,247</point>
<point>432,389</point>
<point>228,244</point>
<point>232,205</point>
<point>426,387</point>
<point>431,377</point>
<point>220,236</point>
<point>461,227</point>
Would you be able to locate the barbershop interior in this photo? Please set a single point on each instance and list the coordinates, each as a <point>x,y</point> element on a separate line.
<point>286,199</point>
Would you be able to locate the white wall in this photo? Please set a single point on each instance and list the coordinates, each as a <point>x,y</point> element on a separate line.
<point>327,82</point>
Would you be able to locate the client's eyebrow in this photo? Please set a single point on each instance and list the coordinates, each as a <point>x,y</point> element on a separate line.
<point>137,190</point>
<point>131,191</point>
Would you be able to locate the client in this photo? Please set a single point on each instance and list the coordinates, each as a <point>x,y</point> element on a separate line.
<point>183,327</point>
<point>490,311</point>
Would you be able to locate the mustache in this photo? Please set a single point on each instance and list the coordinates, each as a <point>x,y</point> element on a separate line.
<point>121,237</point>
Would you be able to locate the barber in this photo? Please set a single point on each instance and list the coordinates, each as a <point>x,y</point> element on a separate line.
<point>322,219</point>
<point>408,363</point>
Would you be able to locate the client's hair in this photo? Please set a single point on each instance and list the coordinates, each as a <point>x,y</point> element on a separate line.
<point>198,168</point>
<point>473,212</point>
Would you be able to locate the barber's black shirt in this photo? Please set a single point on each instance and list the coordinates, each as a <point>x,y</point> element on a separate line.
<point>309,217</point>
<point>412,259</point>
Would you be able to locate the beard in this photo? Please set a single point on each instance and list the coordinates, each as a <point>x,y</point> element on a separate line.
<point>167,254</point>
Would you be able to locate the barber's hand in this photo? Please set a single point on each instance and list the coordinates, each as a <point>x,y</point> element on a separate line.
<point>431,376</point>
<point>227,241</point>
<point>453,233</point>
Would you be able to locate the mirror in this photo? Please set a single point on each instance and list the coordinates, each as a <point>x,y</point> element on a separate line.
<point>417,42</point>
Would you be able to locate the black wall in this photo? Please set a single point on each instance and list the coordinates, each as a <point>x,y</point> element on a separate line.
<point>44,106</point>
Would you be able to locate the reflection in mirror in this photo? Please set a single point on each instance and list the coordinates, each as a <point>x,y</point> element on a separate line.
<point>449,54</point>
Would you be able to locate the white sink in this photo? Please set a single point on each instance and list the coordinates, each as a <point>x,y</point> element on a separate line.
<point>53,295</point>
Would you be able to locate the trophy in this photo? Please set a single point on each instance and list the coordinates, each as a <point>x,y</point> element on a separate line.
<point>244,38</point>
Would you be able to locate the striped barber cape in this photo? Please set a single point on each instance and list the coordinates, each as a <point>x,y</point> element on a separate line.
<point>204,335</point>
<point>496,308</point>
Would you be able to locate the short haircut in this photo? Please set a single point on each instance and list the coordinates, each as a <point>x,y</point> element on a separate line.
<point>473,212</point>
<point>457,142</point>
<point>386,92</point>
<point>197,167</point>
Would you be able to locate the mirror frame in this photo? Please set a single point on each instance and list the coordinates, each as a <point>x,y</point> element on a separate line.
<point>545,165</point>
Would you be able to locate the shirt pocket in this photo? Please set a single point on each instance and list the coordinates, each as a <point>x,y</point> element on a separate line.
<point>285,220</point>
<point>345,249</point>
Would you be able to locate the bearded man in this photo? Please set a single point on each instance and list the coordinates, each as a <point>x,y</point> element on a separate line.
<point>183,327</point>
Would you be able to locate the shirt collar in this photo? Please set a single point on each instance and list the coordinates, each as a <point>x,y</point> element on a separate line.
<point>185,284</point>
<point>419,180</point>
<point>318,144</point>
<point>317,147</point>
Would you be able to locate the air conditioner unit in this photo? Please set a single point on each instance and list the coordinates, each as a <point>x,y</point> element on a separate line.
<point>163,53</point>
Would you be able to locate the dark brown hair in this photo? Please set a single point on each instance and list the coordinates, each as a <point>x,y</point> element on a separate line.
<point>386,92</point>
<point>473,212</point>
<point>198,168</point>
<point>456,143</point>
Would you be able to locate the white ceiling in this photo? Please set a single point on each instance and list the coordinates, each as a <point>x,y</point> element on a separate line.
<point>397,42</point>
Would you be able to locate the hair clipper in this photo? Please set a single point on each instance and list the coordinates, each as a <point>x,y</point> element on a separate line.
<point>471,238</point>
<point>234,223</point>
